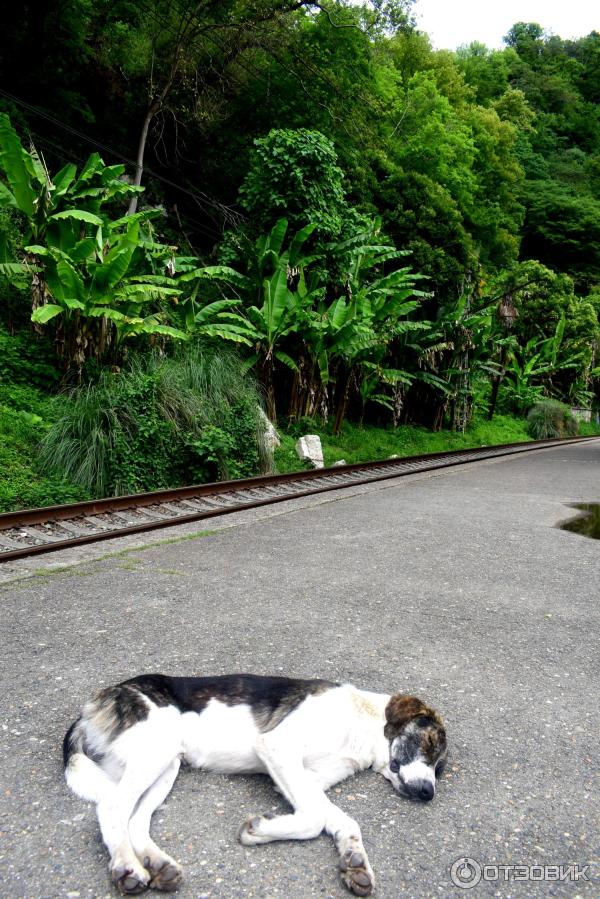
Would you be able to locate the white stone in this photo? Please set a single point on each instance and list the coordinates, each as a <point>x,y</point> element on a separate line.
<point>339,462</point>
<point>309,448</point>
<point>268,443</point>
<point>270,436</point>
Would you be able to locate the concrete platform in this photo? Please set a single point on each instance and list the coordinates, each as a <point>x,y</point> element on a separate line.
<point>454,585</point>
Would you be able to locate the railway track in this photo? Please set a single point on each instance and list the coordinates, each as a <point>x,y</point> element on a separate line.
<point>33,531</point>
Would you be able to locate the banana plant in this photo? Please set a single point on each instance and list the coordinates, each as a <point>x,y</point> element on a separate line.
<point>54,207</point>
<point>217,318</point>
<point>94,277</point>
<point>376,310</point>
<point>530,368</point>
<point>283,298</point>
<point>94,283</point>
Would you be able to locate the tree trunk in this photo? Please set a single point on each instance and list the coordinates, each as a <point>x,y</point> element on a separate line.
<point>438,416</point>
<point>39,289</point>
<point>342,406</point>
<point>139,161</point>
<point>267,380</point>
<point>496,381</point>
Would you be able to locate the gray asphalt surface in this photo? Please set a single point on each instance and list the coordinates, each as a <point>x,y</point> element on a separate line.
<point>456,586</point>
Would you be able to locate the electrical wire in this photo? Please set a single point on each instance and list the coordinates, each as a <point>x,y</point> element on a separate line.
<point>202,199</point>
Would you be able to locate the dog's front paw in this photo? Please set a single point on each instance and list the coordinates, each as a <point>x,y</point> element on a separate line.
<point>356,872</point>
<point>249,833</point>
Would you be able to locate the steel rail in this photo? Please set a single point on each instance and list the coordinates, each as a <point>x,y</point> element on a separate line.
<point>30,532</point>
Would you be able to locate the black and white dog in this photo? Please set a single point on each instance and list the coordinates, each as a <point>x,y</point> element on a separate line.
<point>124,752</point>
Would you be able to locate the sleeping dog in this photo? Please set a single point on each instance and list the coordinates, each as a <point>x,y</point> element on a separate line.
<point>125,749</point>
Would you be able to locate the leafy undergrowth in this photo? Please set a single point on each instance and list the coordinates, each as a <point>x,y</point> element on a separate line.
<point>160,423</point>
<point>25,416</point>
<point>589,429</point>
<point>356,444</point>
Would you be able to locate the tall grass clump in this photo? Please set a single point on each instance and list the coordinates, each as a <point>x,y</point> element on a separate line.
<point>161,422</point>
<point>549,418</point>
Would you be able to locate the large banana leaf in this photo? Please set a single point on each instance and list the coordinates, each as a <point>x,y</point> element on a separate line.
<point>43,314</point>
<point>12,162</point>
<point>7,198</point>
<point>36,167</point>
<point>108,274</point>
<point>80,215</point>
<point>161,280</point>
<point>287,360</point>
<point>13,270</point>
<point>227,332</point>
<point>273,241</point>
<point>84,249</point>
<point>276,293</point>
<point>143,291</point>
<point>338,313</point>
<point>94,164</point>
<point>127,221</point>
<point>297,243</point>
<point>257,318</point>
<point>116,262</point>
<point>205,313</point>
<point>63,179</point>
<point>110,173</point>
<point>216,273</point>
<point>66,285</point>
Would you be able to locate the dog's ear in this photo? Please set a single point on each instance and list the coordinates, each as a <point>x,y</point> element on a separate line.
<point>401,709</point>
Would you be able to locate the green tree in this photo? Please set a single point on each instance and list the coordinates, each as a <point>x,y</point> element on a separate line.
<point>296,173</point>
<point>278,298</point>
<point>486,71</point>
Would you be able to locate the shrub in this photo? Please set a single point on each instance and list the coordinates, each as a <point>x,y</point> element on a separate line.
<point>26,359</point>
<point>294,173</point>
<point>23,483</point>
<point>549,418</point>
<point>161,423</point>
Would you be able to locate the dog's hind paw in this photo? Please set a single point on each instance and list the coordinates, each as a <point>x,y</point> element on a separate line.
<point>356,873</point>
<point>167,877</point>
<point>129,881</point>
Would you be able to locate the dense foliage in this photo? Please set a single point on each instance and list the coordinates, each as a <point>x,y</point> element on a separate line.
<point>548,418</point>
<point>160,423</point>
<point>388,233</point>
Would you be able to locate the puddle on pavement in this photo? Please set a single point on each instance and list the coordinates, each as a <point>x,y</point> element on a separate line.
<point>588,523</point>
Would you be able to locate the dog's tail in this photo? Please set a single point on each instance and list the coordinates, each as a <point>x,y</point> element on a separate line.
<point>83,775</point>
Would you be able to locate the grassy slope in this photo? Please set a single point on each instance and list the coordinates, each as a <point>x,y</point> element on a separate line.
<point>25,413</point>
<point>356,444</point>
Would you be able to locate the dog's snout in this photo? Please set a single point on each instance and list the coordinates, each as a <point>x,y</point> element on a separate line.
<point>426,791</point>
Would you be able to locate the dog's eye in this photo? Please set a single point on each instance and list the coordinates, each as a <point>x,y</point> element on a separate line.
<point>394,766</point>
<point>439,769</point>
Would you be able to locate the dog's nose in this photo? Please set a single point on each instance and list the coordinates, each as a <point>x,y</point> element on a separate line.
<point>426,792</point>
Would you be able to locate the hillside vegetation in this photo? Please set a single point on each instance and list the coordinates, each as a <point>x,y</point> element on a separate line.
<point>209,207</point>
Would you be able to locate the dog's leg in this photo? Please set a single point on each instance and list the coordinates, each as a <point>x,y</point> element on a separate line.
<point>313,813</point>
<point>355,870</point>
<point>114,811</point>
<point>153,754</point>
<point>165,872</point>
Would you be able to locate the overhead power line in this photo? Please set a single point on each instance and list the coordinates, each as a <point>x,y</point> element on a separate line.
<point>207,204</point>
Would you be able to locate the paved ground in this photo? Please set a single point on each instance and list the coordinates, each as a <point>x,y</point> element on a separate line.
<point>456,586</point>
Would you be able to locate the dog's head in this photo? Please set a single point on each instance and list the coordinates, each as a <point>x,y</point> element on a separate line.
<point>418,746</point>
